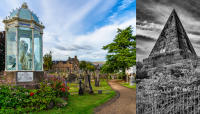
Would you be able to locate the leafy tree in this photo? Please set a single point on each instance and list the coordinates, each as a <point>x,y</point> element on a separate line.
<point>86,66</point>
<point>48,61</point>
<point>121,52</point>
<point>82,65</point>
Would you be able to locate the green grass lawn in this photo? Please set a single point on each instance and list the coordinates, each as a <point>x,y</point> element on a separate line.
<point>74,87</point>
<point>83,104</point>
<point>128,85</point>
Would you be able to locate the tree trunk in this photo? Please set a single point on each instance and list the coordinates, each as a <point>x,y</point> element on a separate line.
<point>124,74</point>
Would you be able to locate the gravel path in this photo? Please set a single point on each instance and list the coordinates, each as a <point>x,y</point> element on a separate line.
<point>123,103</point>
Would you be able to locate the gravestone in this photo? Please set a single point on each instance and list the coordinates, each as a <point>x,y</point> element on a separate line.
<point>80,92</point>
<point>97,80</point>
<point>72,78</point>
<point>90,86</point>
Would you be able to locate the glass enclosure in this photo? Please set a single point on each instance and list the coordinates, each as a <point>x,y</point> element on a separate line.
<point>25,48</point>
<point>11,51</point>
<point>37,50</point>
<point>26,53</point>
<point>23,40</point>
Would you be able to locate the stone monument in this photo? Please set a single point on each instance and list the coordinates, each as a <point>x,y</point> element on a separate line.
<point>97,80</point>
<point>80,91</point>
<point>24,47</point>
<point>172,46</point>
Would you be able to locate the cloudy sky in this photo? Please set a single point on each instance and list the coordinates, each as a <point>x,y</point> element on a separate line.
<point>153,14</point>
<point>77,27</point>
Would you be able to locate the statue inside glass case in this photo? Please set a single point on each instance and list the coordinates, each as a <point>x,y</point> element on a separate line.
<point>25,55</point>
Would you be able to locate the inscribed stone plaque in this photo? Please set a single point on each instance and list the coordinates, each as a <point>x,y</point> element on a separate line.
<point>25,76</point>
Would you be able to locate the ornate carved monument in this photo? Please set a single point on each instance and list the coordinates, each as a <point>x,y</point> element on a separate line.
<point>24,47</point>
<point>172,46</point>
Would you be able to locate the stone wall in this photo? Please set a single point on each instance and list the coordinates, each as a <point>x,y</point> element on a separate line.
<point>10,78</point>
<point>168,58</point>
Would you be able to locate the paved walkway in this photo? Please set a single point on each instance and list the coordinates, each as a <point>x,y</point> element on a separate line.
<point>123,103</point>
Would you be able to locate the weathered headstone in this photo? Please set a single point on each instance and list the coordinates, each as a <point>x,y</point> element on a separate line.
<point>80,92</point>
<point>90,86</point>
<point>97,80</point>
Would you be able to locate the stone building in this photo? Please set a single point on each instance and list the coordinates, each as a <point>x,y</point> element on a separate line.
<point>172,46</point>
<point>71,65</point>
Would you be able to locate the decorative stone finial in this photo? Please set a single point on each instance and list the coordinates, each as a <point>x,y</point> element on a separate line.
<point>24,5</point>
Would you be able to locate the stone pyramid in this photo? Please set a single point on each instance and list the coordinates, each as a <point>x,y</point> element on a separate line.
<point>173,43</point>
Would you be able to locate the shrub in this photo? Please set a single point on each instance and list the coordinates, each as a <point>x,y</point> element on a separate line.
<point>15,99</point>
<point>58,85</point>
<point>41,98</point>
<point>13,96</point>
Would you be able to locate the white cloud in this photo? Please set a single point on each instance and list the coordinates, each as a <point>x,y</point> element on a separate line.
<point>149,29</point>
<point>125,4</point>
<point>64,19</point>
<point>61,33</point>
<point>96,40</point>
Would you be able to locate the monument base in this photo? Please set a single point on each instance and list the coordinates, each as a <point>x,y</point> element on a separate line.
<point>27,79</point>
